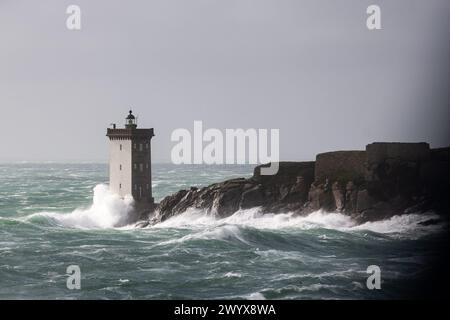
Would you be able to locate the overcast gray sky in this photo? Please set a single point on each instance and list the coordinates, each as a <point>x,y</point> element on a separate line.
<point>310,68</point>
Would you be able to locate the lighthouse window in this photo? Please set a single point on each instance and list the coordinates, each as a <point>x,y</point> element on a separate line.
<point>134,145</point>
<point>147,186</point>
<point>141,167</point>
<point>140,146</point>
<point>146,146</point>
<point>135,187</point>
<point>120,167</point>
<point>146,166</point>
<point>120,147</point>
<point>135,166</point>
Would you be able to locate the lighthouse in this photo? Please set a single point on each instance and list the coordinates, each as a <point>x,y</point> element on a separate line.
<point>130,170</point>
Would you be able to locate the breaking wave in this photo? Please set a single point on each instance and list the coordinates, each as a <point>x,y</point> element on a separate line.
<point>108,210</point>
<point>408,224</point>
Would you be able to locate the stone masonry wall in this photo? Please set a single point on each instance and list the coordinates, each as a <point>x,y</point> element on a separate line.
<point>340,166</point>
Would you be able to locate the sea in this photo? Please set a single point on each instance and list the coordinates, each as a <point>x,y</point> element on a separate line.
<point>57,215</point>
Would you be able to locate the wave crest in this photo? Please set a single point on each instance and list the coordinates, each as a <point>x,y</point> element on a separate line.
<point>108,210</point>
<point>411,224</point>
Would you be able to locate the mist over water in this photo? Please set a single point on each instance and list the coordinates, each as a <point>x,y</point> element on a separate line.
<point>55,215</point>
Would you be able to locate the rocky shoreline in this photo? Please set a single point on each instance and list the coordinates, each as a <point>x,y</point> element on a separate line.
<point>383,180</point>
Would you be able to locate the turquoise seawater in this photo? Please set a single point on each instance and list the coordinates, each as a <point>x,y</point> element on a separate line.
<point>50,218</point>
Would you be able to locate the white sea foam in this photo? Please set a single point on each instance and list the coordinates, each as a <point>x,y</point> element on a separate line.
<point>190,218</point>
<point>222,232</point>
<point>108,210</point>
<point>313,287</point>
<point>254,218</point>
<point>255,296</point>
<point>402,224</point>
<point>232,275</point>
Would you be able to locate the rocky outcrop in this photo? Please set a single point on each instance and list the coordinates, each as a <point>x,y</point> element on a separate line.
<point>387,179</point>
<point>285,191</point>
<point>384,180</point>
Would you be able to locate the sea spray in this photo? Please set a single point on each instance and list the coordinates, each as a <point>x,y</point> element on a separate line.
<point>108,210</point>
<point>193,255</point>
<point>407,224</point>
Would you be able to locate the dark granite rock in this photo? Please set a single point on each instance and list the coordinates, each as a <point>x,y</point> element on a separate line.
<point>287,190</point>
<point>351,197</point>
<point>253,197</point>
<point>320,197</point>
<point>364,201</point>
<point>339,196</point>
<point>398,178</point>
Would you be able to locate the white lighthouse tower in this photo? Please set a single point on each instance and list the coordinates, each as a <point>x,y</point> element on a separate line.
<point>130,170</point>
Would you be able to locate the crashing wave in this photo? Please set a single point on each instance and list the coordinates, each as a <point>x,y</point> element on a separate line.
<point>108,210</point>
<point>206,227</point>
